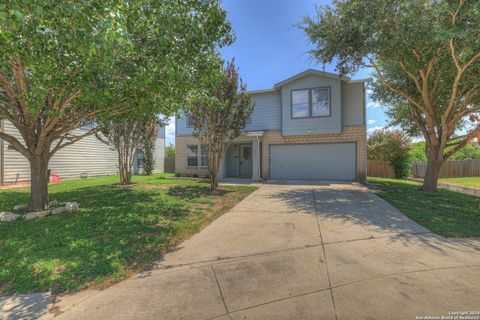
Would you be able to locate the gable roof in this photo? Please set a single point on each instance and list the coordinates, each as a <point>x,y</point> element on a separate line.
<point>305,73</point>
<point>311,72</point>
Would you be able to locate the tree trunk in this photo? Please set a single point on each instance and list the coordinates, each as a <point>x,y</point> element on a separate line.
<point>214,161</point>
<point>431,175</point>
<point>124,168</point>
<point>39,183</point>
<point>213,180</point>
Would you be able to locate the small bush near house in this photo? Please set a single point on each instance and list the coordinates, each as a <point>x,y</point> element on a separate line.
<point>178,174</point>
<point>392,146</point>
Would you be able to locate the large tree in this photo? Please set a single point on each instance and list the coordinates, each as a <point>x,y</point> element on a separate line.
<point>63,63</point>
<point>219,109</point>
<point>425,56</point>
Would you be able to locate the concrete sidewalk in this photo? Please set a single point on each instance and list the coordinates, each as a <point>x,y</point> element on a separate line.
<point>332,251</point>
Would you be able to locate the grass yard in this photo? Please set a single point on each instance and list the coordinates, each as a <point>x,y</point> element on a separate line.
<point>448,213</point>
<point>115,233</point>
<point>472,182</point>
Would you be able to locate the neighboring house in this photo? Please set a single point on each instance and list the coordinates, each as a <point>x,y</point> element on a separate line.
<point>309,126</point>
<point>86,158</point>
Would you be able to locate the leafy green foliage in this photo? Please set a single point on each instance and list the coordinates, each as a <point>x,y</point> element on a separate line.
<point>470,152</point>
<point>447,213</point>
<point>170,151</point>
<point>63,63</point>
<point>391,146</point>
<point>116,231</point>
<point>425,56</point>
<point>417,152</point>
<point>219,110</point>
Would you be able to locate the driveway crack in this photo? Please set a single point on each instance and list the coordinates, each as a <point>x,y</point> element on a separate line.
<point>220,290</point>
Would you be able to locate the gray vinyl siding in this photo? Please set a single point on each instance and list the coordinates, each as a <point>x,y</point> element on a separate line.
<point>273,108</point>
<point>353,104</point>
<point>266,113</point>
<point>13,162</point>
<point>88,155</point>
<point>316,125</point>
<point>181,128</point>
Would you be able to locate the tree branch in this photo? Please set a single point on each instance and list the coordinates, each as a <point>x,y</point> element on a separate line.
<point>468,137</point>
<point>15,144</point>
<point>18,71</point>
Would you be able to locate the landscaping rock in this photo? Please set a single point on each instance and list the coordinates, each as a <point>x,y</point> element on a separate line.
<point>20,207</point>
<point>53,203</point>
<point>71,206</point>
<point>8,216</point>
<point>38,214</point>
<point>59,210</point>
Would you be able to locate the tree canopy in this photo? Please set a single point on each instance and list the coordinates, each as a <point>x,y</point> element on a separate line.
<point>425,58</point>
<point>63,63</point>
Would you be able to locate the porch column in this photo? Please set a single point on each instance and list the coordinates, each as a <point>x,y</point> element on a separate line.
<point>256,159</point>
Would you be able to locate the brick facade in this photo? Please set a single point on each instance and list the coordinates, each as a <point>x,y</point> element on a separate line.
<point>349,134</point>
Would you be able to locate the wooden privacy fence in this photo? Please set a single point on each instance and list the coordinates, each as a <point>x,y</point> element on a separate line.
<point>450,169</point>
<point>169,164</point>
<point>379,168</point>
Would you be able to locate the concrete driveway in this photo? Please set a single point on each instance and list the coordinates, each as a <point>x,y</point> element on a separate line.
<point>331,251</point>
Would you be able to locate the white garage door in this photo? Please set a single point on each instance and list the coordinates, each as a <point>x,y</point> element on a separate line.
<point>323,161</point>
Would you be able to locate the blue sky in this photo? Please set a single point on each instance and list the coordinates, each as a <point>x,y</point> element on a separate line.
<point>269,49</point>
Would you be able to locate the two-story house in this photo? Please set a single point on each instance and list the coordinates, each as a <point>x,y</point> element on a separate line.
<point>309,126</point>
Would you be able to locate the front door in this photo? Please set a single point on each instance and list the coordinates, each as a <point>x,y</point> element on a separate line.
<point>246,161</point>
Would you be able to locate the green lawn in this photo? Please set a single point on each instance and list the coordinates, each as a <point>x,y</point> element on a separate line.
<point>115,233</point>
<point>473,182</point>
<point>448,213</point>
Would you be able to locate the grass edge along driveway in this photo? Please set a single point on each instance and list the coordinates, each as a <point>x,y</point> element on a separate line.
<point>445,212</point>
<point>116,233</point>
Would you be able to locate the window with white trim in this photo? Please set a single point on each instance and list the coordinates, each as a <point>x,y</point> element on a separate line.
<point>320,102</point>
<point>192,156</point>
<point>307,103</point>
<point>300,103</point>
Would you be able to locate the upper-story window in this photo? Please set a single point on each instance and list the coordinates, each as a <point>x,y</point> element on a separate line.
<point>313,102</point>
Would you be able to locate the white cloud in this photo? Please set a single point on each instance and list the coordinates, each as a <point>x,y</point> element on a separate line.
<point>373,104</point>
<point>170,131</point>
<point>371,121</point>
<point>370,130</point>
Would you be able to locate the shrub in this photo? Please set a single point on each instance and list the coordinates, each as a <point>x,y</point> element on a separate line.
<point>392,146</point>
<point>178,174</point>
